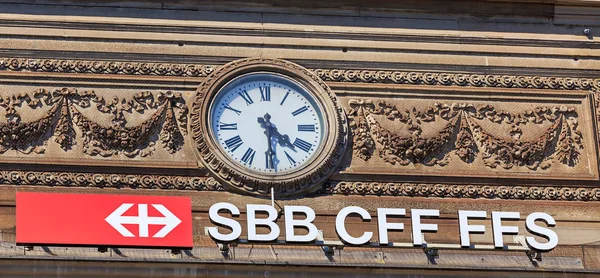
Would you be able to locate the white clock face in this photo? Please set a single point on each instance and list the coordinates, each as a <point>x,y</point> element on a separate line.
<point>267,123</point>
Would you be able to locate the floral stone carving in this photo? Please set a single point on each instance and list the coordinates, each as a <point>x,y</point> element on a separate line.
<point>464,136</point>
<point>407,189</point>
<point>169,121</point>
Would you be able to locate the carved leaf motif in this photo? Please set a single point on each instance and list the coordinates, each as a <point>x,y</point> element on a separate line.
<point>402,150</point>
<point>107,141</point>
<point>27,137</point>
<point>170,136</point>
<point>65,134</point>
<point>569,142</point>
<point>463,136</point>
<point>363,145</point>
<point>98,140</point>
<point>465,145</point>
<point>507,154</point>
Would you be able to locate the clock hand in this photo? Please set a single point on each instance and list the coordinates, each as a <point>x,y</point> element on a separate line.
<point>283,139</point>
<point>265,123</point>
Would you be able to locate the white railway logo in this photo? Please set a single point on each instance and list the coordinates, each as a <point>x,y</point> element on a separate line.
<point>169,220</point>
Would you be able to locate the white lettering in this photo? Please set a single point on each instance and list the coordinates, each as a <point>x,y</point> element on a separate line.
<point>533,228</point>
<point>499,230</point>
<point>236,228</point>
<point>538,231</point>
<point>466,229</point>
<point>269,222</point>
<point>340,227</point>
<point>418,227</point>
<point>384,226</point>
<point>290,223</point>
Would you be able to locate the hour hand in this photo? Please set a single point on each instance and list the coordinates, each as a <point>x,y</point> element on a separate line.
<point>284,140</point>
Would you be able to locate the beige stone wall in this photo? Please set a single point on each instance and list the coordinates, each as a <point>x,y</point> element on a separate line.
<point>488,105</point>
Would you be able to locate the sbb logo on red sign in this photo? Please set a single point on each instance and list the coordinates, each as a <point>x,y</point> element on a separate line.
<point>104,220</point>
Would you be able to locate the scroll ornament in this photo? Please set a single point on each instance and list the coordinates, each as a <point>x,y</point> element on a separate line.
<point>169,122</point>
<point>464,136</point>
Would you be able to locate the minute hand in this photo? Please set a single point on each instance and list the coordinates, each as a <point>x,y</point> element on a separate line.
<point>265,122</point>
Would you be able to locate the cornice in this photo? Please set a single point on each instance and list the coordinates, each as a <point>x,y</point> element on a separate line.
<point>349,188</point>
<point>328,34</point>
<point>471,191</point>
<point>101,180</point>
<point>104,67</point>
<point>332,75</point>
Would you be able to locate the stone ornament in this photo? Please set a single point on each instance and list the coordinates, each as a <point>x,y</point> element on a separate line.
<point>109,180</point>
<point>68,117</point>
<point>464,136</point>
<point>169,121</point>
<point>104,67</point>
<point>472,191</point>
<point>305,179</point>
<point>336,75</point>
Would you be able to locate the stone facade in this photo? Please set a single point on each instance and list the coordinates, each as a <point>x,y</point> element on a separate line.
<point>447,105</point>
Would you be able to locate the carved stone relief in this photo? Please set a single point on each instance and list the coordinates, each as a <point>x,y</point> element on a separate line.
<point>104,67</point>
<point>463,135</point>
<point>459,133</point>
<point>548,136</point>
<point>457,79</point>
<point>112,180</point>
<point>64,112</point>
<point>441,190</point>
<point>336,75</point>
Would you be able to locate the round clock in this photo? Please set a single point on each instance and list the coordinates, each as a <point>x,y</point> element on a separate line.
<point>267,123</point>
<point>264,123</point>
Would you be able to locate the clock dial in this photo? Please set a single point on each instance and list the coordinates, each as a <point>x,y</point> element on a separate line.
<point>267,123</point>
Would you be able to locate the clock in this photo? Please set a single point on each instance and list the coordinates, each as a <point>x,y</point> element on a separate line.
<point>267,123</point>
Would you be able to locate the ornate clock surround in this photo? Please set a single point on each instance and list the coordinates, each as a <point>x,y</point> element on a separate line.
<point>306,179</point>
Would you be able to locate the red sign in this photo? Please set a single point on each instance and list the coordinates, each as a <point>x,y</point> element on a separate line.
<point>104,220</point>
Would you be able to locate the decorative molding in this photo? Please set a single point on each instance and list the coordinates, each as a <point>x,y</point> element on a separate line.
<point>457,79</point>
<point>169,120</point>
<point>104,67</point>
<point>359,188</point>
<point>101,180</point>
<point>464,135</point>
<point>335,75</point>
<point>305,179</point>
<point>597,107</point>
<point>563,193</point>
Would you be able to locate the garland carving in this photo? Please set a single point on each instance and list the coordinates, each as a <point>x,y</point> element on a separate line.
<point>64,114</point>
<point>464,136</point>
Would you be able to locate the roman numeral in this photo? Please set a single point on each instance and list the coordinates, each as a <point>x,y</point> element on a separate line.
<point>310,128</point>
<point>290,159</point>
<point>303,145</point>
<point>244,94</point>
<point>232,109</point>
<point>299,111</point>
<point>265,93</point>
<point>284,97</point>
<point>248,156</point>
<point>234,142</point>
<point>224,126</point>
